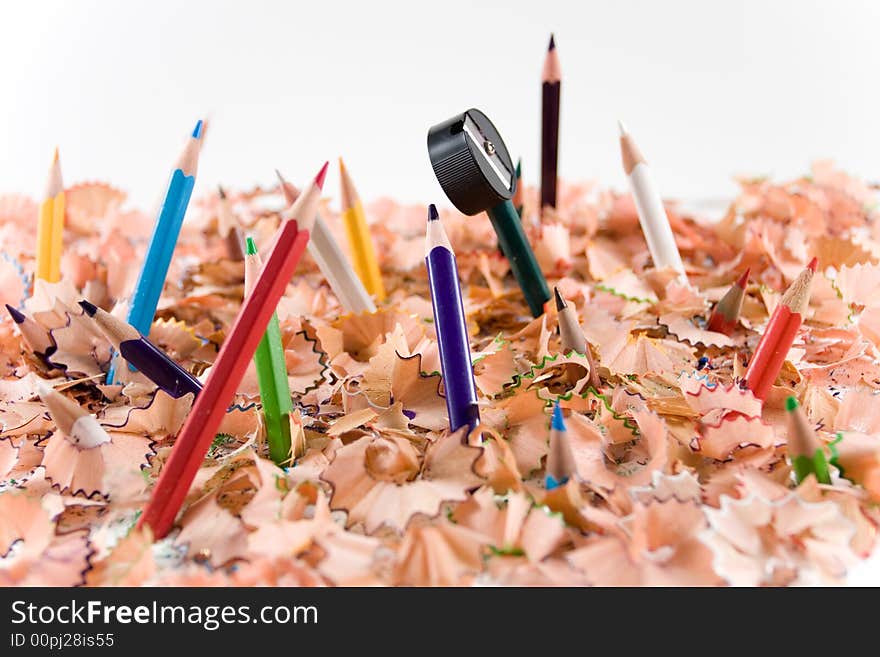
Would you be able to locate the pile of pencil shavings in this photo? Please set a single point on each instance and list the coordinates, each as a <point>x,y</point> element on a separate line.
<point>682,476</point>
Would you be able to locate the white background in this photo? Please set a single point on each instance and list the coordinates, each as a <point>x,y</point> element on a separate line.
<point>708,89</point>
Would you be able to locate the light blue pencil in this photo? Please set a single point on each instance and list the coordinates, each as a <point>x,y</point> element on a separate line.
<point>560,458</point>
<point>155,268</point>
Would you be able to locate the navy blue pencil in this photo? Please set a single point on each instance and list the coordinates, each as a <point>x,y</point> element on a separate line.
<point>451,326</point>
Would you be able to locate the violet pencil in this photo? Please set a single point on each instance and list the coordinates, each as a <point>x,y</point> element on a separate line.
<point>451,326</point>
<point>137,349</point>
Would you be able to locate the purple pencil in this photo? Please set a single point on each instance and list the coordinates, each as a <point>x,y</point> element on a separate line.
<point>451,326</point>
<point>151,361</point>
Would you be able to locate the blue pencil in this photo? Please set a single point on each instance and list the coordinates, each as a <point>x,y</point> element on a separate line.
<point>451,326</point>
<point>155,268</point>
<point>560,459</point>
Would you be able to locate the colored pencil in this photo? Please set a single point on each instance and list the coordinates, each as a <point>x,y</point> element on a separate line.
<point>516,248</point>
<point>138,350</point>
<point>804,449</point>
<point>227,227</point>
<point>725,315</point>
<point>332,262</point>
<point>50,226</point>
<point>72,420</point>
<point>551,86</point>
<point>652,214</point>
<point>271,372</point>
<point>151,280</point>
<point>779,334</point>
<point>450,323</point>
<point>572,337</point>
<point>517,199</point>
<point>237,350</point>
<point>560,458</point>
<point>34,335</point>
<point>359,239</point>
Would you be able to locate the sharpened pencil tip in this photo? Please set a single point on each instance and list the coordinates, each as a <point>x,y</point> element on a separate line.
<point>221,192</point>
<point>280,177</point>
<point>341,166</point>
<point>319,179</point>
<point>55,157</point>
<point>814,263</point>
<point>560,302</point>
<point>433,215</point>
<point>791,404</point>
<point>250,246</point>
<point>197,131</point>
<point>622,128</point>
<point>743,280</point>
<point>557,423</point>
<point>552,45</point>
<point>519,168</point>
<point>43,390</point>
<point>89,307</point>
<point>17,317</point>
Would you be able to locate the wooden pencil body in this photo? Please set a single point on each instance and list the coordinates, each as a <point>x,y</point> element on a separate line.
<point>209,409</point>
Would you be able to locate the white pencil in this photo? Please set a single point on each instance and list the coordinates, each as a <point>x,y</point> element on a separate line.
<point>652,215</point>
<point>332,261</point>
<point>73,421</point>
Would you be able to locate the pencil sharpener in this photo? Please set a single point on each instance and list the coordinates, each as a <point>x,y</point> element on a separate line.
<point>471,162</point>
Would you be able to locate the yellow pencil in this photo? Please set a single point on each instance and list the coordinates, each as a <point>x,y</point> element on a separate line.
<point>50,226</point>
<point>363,254</point>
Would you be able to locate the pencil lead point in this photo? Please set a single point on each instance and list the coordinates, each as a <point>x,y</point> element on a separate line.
<point>791,404</point>
<point>221,191</point>
<point>341,166</point>
<point>280,177</point>
<point>433,215</point>
<point>557,423</point>
<point>552,45</point>
<point>197,131</point>
<point>560,302</point>
<point>17,316</point>
<point>743,280</point>
<point>319,179</point>
<point>88,307</point>
<point>814,263</point>
<point>55,157</point>
<point>518,168</point>
<point>622,128</point>
<point>250,246</point>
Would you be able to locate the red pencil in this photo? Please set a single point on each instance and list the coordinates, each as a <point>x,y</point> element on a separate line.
<point>779,334</point>
<point>726,313</point>
<point>236,353</point>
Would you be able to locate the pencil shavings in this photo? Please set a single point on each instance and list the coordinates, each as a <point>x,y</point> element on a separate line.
<point>14,283</point>
<point>733,431</point>
<point>33,553</point>
<point>512,524</point>
<point>373,479</point>
<point>685,330</point>
<point>443,554</point>
<point>660,546</point>
<point>756,542</point>
<point>88,203</point>
<point>732,398</point>
<point>681,476</point>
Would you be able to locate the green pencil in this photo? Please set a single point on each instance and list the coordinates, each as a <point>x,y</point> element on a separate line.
<point>271,373</point>
<point>804,449</point>
<point>508,226</point>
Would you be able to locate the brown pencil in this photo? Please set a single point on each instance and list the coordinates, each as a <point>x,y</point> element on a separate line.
<point>551,86</point>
